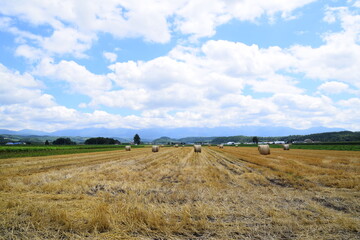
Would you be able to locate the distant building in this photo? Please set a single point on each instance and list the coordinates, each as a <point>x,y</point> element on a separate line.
<point>15,143</point>
<point>308,141</point>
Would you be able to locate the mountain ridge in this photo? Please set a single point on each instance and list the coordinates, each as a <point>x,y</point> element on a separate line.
<point>176,133</point>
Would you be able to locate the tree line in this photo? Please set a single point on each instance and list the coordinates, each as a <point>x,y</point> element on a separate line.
<point>343,136</point>
<point>92,141</point>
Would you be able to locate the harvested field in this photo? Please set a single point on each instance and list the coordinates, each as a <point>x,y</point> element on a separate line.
<point>227,193</point>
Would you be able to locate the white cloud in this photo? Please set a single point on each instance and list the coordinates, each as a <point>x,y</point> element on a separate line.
<point>250,9</point>
<point>200,18</point>
<point>275,84</point>
<point>80,80</point>
<point>193,79</point>
<point>334,87</point>
<point>191,86</point>
<point>75,24</point>
<point>29,52</point>
<point>351,103</point>
<point>22,89</point>
<point>111,57</point>
<point>339,58</point>
<point>67,40</point>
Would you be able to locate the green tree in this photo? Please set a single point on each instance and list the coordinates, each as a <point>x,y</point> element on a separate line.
<point>47,142</point>
<point>101,140</point>
<point>63,141</point>
<point>255,140</point>
<point>137,139</point>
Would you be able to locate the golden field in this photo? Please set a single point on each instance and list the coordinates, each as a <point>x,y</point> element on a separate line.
<point>229,193</point>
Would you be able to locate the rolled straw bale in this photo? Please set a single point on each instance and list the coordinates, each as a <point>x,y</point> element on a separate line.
<point>197,148</point>
<point>221,146</point>
<point>176,145</point>
<point>127,148</point>
<point>155,148</point>
<point>286,147</point>
<point>264,149</point>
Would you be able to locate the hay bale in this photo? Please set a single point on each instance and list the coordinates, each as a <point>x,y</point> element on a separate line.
<point>155,148</point>
<point>176,145</point>
<point>221,146</point>
<point>127,148</point>
<point>197,148</point>
<point>264,149</point>
<point>286,146</point>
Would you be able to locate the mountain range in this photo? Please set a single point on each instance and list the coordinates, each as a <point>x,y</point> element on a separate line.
<point>153,133</point>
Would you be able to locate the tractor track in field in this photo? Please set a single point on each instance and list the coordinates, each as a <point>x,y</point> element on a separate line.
<point>224,161</point>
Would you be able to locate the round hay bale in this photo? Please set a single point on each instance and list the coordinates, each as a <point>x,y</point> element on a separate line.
<point>176,145</point>
<point>127,148</point>
<point>286,147</point>
<point>197,148</point>
<point>155,148</point>
<point>221,146</point>
<point>264,149</point>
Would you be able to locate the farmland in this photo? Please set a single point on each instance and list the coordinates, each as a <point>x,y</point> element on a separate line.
<point>32,151</point>
<point>229,193</point>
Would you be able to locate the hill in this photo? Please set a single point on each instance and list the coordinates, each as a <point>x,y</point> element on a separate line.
<point>342,136</point>
<point>35,139</point>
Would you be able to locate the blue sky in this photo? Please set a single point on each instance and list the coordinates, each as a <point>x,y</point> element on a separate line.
<point>201,63</point>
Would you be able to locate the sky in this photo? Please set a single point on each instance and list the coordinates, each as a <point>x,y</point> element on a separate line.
<point>67,64</point>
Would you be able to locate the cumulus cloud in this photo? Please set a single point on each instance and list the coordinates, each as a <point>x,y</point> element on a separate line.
<point>203,86</point>
<point>215,83</point>
<point>339,57</point>
<point>74,25</point>
<point>22,89</point>
<point>111,57</point>
<point>334,87</point>
<point>79,79</point>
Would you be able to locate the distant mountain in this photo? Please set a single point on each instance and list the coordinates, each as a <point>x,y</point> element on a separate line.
<point>31,132</point>
<point>4,131</point>
<point>177,133</point>
<point>165,140</point>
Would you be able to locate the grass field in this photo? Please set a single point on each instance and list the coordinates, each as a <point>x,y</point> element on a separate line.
<point>41,150</point>
<point>34,151</point>
<point>229,193</point>
<point>338,147</point>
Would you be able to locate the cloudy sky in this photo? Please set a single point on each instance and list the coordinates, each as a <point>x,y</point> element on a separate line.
<point>68,64</point>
